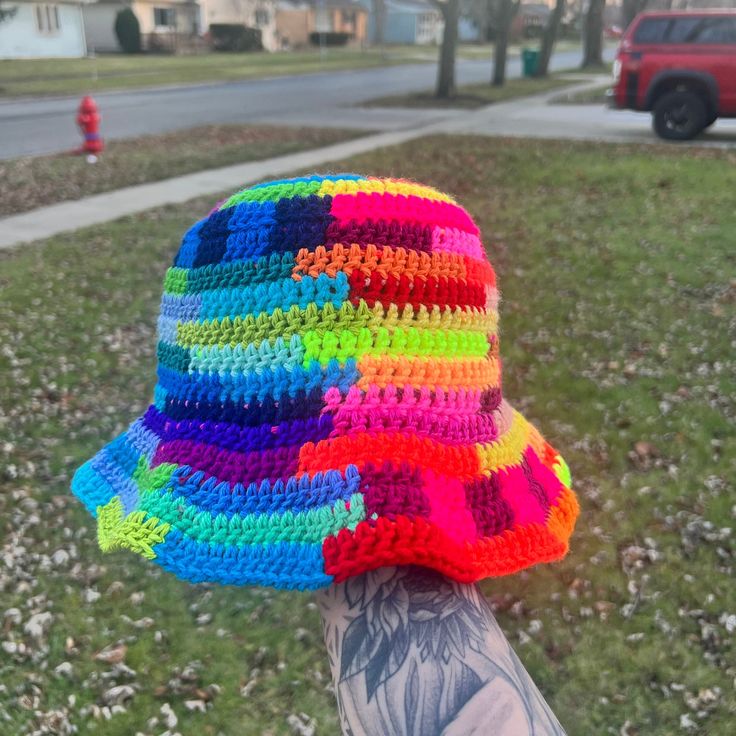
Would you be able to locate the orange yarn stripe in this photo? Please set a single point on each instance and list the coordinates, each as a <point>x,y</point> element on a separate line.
<point>387,261</point>
<point>563,514</point>
<point>468,373</point>
<point>460,461</point>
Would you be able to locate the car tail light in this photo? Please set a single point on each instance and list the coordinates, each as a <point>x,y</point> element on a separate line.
<point>633,64</point>
<point>616,71</point>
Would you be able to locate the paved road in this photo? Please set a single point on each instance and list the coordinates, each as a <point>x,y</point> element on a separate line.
<point>46,125</point>
<point>530,116</point>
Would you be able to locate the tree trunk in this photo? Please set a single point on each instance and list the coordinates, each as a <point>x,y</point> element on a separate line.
<point>446,69</point>
<point>505,15</point>
<point>593,34</point>
<point>549,38</point>
<point>379,15</point>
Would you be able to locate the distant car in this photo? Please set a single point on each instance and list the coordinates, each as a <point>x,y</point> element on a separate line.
<point>613,32</point>
<point>681,67</point>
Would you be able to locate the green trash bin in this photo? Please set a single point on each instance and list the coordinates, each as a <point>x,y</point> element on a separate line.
<point>529,61</point>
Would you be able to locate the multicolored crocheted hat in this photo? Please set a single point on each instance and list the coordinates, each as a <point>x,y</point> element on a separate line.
<point>329,400</point>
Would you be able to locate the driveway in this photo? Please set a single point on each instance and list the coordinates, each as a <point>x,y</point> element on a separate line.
<point>538,117</point>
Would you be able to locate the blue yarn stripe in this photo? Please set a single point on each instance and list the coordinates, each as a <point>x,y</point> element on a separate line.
<point>296,495</point>
<point>282,294</point>
<point>291,565</point>
<point>242,387</point>
<point>91,488</point>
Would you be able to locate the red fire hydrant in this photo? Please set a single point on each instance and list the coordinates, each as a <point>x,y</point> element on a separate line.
<point>88,120</point>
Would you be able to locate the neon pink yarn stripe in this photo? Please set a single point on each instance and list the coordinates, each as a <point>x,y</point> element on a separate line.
<point>452,240</point>
<point>374,206</point>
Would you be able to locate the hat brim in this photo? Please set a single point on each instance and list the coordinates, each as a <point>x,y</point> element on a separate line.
<point>318,530</point>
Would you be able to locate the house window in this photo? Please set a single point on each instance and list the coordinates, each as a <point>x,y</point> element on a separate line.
<point>262,17</point>
<point>164,17</point>
<point>348,18</point>
<point>47,19</point>
<point>426,27</point>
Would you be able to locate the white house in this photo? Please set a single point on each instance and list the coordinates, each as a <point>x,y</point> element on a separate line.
<point>39,29</point>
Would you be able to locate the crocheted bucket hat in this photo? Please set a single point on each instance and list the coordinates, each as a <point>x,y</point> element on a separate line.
<point>329,400</point>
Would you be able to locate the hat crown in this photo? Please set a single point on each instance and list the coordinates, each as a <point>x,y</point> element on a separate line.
<point>329,399</point>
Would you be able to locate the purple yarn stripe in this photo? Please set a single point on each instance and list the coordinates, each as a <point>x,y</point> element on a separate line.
<point>393,491</point>
<point>230,466</point>
<point>412,236</point>
<point>234,437</point>
<point>491,512</point>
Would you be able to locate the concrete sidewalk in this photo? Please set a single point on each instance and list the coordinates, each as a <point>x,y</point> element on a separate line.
<point>525,117</point>
<point>46,222</point>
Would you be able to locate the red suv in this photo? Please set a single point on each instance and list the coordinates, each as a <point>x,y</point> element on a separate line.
<point>681,66</point>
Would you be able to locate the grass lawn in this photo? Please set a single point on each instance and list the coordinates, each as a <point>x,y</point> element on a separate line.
<point>472,96</point>
<point>592,96</point>
<point>118,71</point>
<point>31,182</point>
<point>616,266</point>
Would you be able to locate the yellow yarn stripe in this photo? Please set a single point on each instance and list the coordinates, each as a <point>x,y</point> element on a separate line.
<point>508,448</point>
<point>296,321</point>
<point>382,186</point>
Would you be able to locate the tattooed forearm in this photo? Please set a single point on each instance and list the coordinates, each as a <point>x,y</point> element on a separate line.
<point>415,654</point>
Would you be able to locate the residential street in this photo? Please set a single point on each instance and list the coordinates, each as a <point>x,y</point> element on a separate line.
<point>47,125</point>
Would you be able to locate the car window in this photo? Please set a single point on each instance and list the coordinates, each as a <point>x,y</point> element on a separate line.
<point>651,30</point>
<point>716,30</point>
<point>684,30</point>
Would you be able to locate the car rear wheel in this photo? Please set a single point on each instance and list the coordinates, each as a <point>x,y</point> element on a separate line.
<point>679,116</point>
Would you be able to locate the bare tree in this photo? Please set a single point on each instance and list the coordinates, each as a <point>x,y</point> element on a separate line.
<point>593,34</point>
<point>450,10</point>
<point>549,37</point>
<point>505,12</point>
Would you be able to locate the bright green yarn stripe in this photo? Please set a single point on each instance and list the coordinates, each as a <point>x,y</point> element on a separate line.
<point>296,321</point>
<point>254,329</point>
<point>326,346</point>
<point>562,471</point>
<point>274,193</point>
<point>175,280</point>
<point>309,526</point>
<point>152,479</point>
